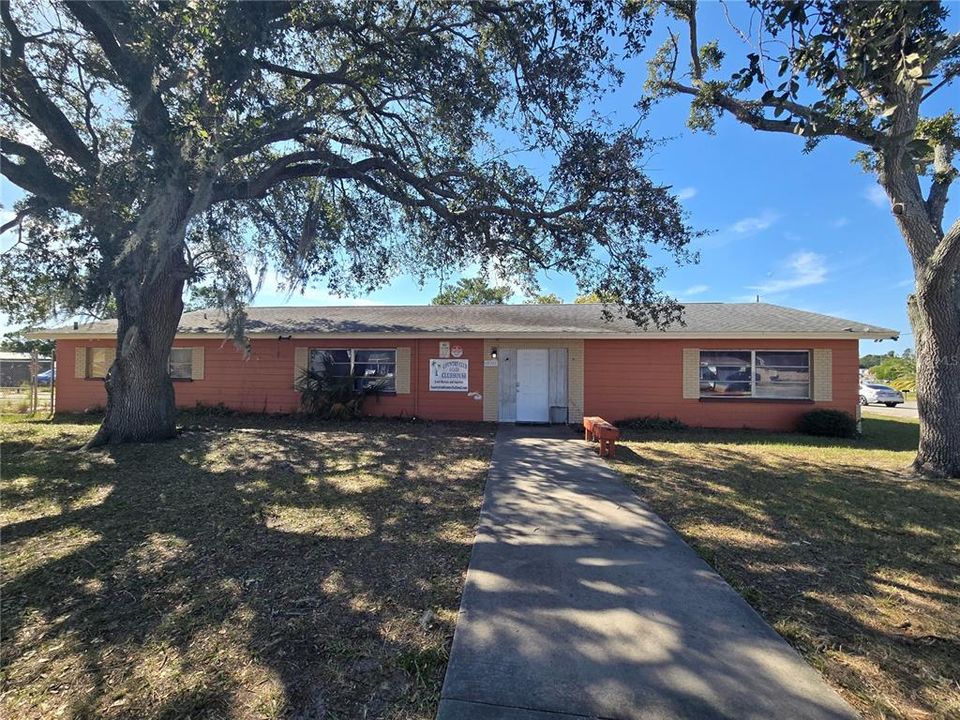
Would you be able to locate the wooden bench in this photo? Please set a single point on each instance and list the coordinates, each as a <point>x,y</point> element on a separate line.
<point>588,423</point>
<point>598,430</point>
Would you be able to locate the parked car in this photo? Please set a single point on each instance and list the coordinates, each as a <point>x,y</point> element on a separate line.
<point>46,377</point>
<point>875,393</point>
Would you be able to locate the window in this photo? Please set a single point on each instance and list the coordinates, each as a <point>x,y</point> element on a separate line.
<point>99,361</point>
<point>725,373</point>
<point>782,374</point>
<point>180,365</point>
<point>367,367</point>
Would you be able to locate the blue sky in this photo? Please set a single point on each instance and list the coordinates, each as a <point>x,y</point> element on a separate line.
<point>810,231</point>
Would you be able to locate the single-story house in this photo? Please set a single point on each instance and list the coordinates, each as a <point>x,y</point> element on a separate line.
<point>727,365</point>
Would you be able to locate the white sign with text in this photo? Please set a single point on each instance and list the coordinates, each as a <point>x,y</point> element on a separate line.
<point>449,375</point>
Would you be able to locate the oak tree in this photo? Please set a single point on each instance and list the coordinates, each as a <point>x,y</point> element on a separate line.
<point>473,291</point>
<point>160,145</point>
<point>864,72</point>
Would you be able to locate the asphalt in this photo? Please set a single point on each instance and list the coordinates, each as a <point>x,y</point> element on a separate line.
<point>580,602</point>
<point>907,410</point>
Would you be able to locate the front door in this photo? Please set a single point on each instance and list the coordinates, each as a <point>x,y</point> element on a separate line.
<point>533,378</point>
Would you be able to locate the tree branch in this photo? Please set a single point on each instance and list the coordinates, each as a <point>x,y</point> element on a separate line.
<point>944,174</point>
<point>750,112</point>
<point>38,108</point>
<point>34,175</point>
<point>13,223</point>
<point>944,261</point>
<point>137,77</point>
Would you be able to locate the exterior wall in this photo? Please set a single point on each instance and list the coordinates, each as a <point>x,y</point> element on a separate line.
<point>636,378</point>
<point>263,382</point>
<point>491,375</point>
<point>616,379</point>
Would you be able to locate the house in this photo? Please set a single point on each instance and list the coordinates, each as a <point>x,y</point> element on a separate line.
<point>15,368</point>
<point>728,365</point>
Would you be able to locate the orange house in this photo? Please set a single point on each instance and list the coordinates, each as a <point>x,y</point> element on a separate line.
<point>751,365</point>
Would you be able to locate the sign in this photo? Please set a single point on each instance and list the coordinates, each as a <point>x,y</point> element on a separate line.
<point>444,349</point>
<point>449,375</point>
<point>490,363</point>
<point>456,351</point>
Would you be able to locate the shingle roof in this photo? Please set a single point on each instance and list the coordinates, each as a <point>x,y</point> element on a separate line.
<point>700,319</point>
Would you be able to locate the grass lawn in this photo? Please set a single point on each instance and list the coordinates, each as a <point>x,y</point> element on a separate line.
<point>854,562</point>
<point>254,568</point>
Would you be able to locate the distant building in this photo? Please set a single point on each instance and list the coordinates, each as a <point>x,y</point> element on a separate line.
<point>15,368</point>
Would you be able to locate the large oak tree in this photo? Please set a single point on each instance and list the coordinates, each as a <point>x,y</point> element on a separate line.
<point>865,72</point>
<point>167,144</point>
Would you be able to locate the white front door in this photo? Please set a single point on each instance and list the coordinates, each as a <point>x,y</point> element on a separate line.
<point>532,385</point>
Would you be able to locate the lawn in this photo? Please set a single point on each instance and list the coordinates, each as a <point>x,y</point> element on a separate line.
<point>253,568</point>
<point>852,560</point>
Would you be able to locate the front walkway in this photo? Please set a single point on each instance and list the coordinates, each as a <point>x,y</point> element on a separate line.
<point>580,602</point>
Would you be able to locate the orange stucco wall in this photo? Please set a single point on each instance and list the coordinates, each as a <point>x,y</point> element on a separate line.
<point>263,382</point>
<point>622,379</point>
<point>637,378</point>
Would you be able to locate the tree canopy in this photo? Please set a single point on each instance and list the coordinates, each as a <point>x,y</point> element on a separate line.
<point>15,341</point>
<point>544,299</point>
<point>473,291</point>
<point>339,142</point>
<point>864,72</point>
<point>594,298</point>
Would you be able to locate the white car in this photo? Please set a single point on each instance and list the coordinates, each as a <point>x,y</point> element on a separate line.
<point>874,393</point>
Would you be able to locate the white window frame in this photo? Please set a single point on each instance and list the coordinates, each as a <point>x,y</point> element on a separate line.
<point>170,363</point>
<point>753,375</point>
<point>391,389</point>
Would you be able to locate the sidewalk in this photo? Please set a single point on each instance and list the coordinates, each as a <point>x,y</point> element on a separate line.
<point>579,602</point>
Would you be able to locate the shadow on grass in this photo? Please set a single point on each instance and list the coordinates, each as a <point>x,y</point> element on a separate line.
<point>265,568</point>
<point>848,556</point>
<point>878,434</point>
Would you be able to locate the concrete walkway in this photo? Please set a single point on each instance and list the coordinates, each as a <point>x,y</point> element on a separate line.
<point>580,602</point>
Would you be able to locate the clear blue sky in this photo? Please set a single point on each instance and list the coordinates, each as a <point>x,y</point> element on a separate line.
<point>810,231</point>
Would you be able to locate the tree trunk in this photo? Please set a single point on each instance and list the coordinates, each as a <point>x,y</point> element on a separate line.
<point>935,317</point>
<point>149,293</point>
<point>934,312</point>
<point>140,398</point>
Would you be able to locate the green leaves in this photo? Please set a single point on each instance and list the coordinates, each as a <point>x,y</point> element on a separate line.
<point>343,143</point>
<point>473,291</point>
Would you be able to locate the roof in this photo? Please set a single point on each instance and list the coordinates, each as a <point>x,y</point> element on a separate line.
<point>733,320</point>
<point>19,357</point>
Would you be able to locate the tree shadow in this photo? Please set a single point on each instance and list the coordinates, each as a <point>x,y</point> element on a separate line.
<point>582,601</point>
<point>878,434</point>
<point>266,569</point>
<point>844,553</point>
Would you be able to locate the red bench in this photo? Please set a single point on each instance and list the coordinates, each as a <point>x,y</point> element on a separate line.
<point>606,434</point>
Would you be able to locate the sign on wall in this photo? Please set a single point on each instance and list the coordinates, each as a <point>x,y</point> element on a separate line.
<point>449,375</point>
<point>456,351</point>
<point>444,349</point>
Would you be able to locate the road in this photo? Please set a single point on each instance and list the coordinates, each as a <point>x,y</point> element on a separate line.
<point>907,410</point>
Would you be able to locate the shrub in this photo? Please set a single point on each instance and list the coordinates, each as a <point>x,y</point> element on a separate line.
<point>828,423</point>
<point>328,396</point>
<point>653,423</point>
<point>905,383</point>
<point>217,410</point>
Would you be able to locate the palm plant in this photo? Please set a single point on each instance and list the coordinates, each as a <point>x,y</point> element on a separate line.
<point>329,396</point>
